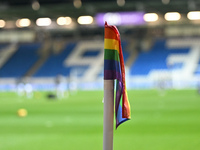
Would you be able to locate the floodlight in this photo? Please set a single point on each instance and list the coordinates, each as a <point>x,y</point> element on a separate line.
<point>35,5</point>
<point>77,3</point>
<point>43,21</point>
<point>194,15</point>
<point>85,20</point>
<point>2,23</point>
<point>150,17</point>
<point>172,16</point>
<point>121,2</point>
<point>24,22</point>
<point>64,21</point>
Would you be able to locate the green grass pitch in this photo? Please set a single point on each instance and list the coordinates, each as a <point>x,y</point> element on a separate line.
<point>169,122</point>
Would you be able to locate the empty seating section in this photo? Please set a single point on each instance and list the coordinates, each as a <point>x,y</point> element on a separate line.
<point>21,61</point>
<point>2,46</point>
<point>4,54</point>
<point>197,72</point>
<point>26,56</point>
<point>125,52</point>
<point>92,53</point>
<point>156,58</point>
<point>54,65</point>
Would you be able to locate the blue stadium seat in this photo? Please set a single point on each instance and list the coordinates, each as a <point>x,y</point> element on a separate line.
<point>2,46</point>
<point>197,72</point>
<point>154,58</point>
<point>21,61</point>
<point>55,64</point>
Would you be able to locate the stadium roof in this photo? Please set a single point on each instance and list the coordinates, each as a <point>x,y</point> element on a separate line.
<point>14,9</point>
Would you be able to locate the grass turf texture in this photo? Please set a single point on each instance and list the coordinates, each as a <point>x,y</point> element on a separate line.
<point>169,122</point>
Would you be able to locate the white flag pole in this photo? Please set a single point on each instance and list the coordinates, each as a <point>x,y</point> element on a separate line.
<point>108,114</point>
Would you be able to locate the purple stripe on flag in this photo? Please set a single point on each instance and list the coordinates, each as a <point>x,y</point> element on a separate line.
<point>119,88</point>
<point>111,75</point>
<point>118,107</point>
<point>112,65</point>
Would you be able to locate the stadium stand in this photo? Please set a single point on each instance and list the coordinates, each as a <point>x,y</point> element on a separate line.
<point>21,61</point>
<point>54,64</point>
<point>160,62</point>
<point>6,51</point>
<point>197,72</point>
<point>155,58</point>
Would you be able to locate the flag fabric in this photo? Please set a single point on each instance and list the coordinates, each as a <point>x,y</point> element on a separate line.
<point>114,69</point>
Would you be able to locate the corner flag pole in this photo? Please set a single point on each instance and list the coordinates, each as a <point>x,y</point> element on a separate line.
<point>108,114</point>
<point>113,70</point>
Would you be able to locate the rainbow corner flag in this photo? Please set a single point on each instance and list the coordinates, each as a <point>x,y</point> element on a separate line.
<point>114,69</point>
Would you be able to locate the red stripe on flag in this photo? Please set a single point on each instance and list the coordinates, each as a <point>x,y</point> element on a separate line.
<point>110,33</point>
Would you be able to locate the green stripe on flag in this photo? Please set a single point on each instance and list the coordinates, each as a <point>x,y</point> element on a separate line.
<point>111,54</point>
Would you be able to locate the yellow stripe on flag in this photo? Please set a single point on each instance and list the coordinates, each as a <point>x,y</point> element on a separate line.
<point>111,44</point>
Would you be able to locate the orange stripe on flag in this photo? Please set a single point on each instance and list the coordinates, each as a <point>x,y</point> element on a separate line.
<point>126,106</point>
<point>110,34</point>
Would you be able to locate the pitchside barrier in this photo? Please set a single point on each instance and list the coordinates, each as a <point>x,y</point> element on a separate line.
<point>135,82</point>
